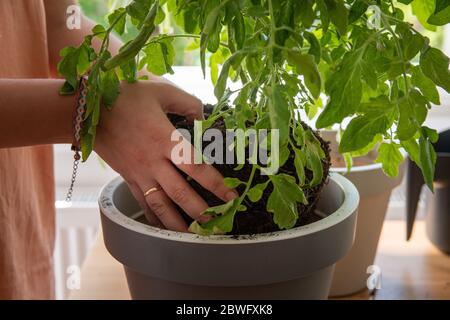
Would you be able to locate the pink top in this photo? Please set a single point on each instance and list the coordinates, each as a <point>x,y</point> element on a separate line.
<point>27,214</point>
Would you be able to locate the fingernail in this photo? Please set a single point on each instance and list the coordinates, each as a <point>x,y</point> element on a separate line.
<point>230,195</point>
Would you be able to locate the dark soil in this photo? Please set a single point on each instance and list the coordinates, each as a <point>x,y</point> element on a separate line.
<point>256,219</point>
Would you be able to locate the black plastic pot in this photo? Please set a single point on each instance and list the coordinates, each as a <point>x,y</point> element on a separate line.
<point>437,204</point>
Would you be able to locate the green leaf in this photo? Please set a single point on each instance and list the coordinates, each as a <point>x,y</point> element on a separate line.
<point>256,192</point>
<point>411,43</point>
<point>208,29</point>
<point>338,14</point>
<point>304,11</point>
<point>283,200</point>
<point>129,71</point>
<point>239,29</point>
<point>362,130</point>
<point>314,154</point>
<point>67,89</point>
<point>279,113</point>
<point>345,90</point>
<point>425,85</point>
<point>256,11</point>
<point>99,31</point>
<point>435,65</point>
<point>221,84</point>
<point>441,15</point>
<point>412,148</point>
<point>119,18</point>
<point>390,157</point>
<point>160,16</point>
<point>138,10</point>
<point>155,59</point>
<point>359,7</point>
<point>222,221</point>
<point>324,16</point>
<point>306,66</point>
<point>315,49</point>
<point>413,112</point>
<point>109,87</point>
<point>423,9</point>
<point>427,156</point>
<point>67,67</point>
<point>300,164</point>
<point>232,182</point>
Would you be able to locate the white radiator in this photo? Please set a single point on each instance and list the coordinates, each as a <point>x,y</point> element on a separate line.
<point>77,225</point>
<point>76,230</point>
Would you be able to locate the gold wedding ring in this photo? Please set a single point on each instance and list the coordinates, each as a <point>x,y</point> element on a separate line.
<point>151,190</point>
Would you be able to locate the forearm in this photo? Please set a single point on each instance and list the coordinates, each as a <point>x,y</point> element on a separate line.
<point>33,113</point>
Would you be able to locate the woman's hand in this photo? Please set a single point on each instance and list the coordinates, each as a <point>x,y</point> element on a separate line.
<point>135,140</point>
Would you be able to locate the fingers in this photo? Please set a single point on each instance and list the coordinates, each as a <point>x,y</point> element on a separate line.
<point>209,178</point>
<point>206,175</point>
<point>139,196</point>
<point>177,101</point>
<point>164,210</point>
<point>182,193</point>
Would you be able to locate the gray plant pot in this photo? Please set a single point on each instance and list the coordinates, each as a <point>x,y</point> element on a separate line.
<point>291,264</point>
<point>374,187</point>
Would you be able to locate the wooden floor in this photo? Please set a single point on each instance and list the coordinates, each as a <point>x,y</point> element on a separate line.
<point>410,270</point>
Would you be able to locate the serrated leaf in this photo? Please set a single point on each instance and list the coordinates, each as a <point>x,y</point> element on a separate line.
<point>425,85</point>
<point>223,218</point>
<point>435,65</point>
<point>239,29</point>
<point>155,59</point>
<point>413,112</point>
<point>256,192</point>
<point>109,87</point>
<point>359,7</point>
<point>232,182</point>
<point>390,157</point>
<point>119,18</point>
<point>67,67</point>
<point>412,148</point>
<point>129,71</point>
<point>324,16</point>
<point>363,129</point>
<point>345,90</point>
<point>279,113</point>
<point>314,46</point>
<point>314,155</point>
<point>283,200</point>
<point>338,14</point>
<point>306,66</point>
<point>99,31</point>
<point>300,164</point>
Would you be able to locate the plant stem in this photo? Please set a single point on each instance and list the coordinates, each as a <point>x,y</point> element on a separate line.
<point>248,185</point>
<point>272,42</point>
<point>186,35</point>
<point>399,51</point>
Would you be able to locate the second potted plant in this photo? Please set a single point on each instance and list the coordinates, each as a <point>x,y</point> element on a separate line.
<point>374,187</point>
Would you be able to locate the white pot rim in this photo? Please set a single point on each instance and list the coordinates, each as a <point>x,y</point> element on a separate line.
<point>348,207</point>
